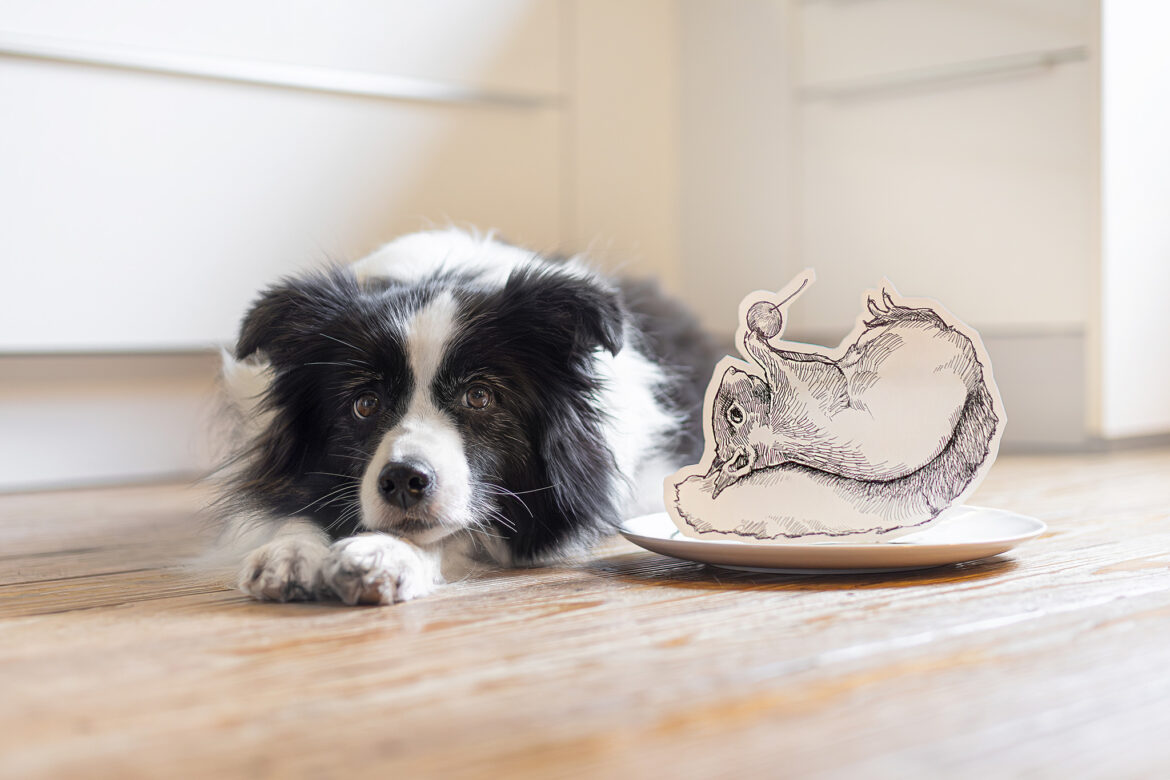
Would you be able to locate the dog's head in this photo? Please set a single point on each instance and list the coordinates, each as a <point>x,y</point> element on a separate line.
<point>430,408</point>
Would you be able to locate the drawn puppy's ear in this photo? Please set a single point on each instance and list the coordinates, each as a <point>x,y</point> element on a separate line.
<point>292,309</point>
<point>762,390</point>
<point>580,312</point>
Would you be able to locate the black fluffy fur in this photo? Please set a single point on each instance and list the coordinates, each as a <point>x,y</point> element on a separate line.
<point>330,338</point>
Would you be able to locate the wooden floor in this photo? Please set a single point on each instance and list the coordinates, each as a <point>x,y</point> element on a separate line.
<point>1051,662</point>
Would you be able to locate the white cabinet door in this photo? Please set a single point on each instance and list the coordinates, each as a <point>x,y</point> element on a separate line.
<point>142,211</point>
<point>979,190</point>
<point>845,40</point>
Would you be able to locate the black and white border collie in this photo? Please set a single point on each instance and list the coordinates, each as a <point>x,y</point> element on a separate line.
<point>447,402</point>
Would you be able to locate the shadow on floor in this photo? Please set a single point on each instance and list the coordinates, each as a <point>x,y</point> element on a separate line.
<point>653,569</point>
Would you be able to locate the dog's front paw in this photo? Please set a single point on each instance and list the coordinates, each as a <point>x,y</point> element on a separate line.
<point>379,569</point>
<point>284,570</point>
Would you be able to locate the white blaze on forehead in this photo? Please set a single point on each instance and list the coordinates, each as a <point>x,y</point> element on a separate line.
<point>425,434</point>
<point>427,335</point>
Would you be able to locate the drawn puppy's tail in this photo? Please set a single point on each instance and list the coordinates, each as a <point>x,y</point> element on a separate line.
<point>949,474</point>
<point>936,485</point>
<point>924,494</point>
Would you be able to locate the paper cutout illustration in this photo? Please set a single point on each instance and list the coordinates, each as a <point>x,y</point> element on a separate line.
<point>861,443</point>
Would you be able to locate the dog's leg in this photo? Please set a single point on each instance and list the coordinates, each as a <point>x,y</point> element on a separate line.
<point>287,568</point>
<point>377,568</point>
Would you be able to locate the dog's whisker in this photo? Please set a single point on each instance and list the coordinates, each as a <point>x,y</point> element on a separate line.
<point>319,499</point>
<point>351,457</point>
<point>336,496</point>
<point>503,491</point>
<point>349,512</point>
<point>499,516</point>
<point>357,450</point>
<point>347,515</point>
<point>522,492</point>
<point>359,350</point>
<point>354,508</point>
<point>352,447</point>
<point>334,474</point>
<point>482,532</point>
<point>331,503</point>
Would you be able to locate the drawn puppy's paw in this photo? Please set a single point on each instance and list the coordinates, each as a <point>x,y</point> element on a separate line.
<point>379,569</point>
<point>284,570</point>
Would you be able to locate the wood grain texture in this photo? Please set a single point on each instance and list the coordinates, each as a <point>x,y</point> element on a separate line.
<point>117,660</point>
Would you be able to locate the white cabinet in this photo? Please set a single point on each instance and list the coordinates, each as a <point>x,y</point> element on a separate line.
<point>934,153</point>
<point>143,209</point>
<point>510,45</point>
<point>846,40</point>
<point>1010,158</point>
<point>1005,156</point>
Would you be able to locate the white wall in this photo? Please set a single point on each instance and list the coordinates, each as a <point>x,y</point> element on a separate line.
<point>138,197</point>
<point>68,420</point>
<point>621,84</point>
<point>143,210</point>
<point>719,146</point>
<point>738,171</point>
<point>973,189</point>
<point>950,146</point>
<point>1135,265</point>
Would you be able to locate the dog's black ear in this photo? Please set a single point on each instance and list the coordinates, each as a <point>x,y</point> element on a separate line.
<point>581,311</point>
<point>268,321</point>
<point>574,491</point>
<point>291,309</point>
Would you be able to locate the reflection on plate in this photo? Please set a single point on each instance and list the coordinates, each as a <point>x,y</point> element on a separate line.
<point>963,533</point>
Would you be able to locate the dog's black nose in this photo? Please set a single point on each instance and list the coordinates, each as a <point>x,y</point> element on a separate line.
<point>405,484</point>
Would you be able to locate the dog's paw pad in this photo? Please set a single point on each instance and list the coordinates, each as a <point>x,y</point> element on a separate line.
<point>378,569</point>
<point>284,570</point>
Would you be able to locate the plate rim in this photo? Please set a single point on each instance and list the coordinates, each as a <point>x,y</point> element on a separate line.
<point>977,548</point>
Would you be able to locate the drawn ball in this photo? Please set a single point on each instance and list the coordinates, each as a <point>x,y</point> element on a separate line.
<point>765,318</point>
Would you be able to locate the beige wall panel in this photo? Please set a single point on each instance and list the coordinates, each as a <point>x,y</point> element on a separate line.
<point>75,420</point>
<point>622,142</point>
<point>980,195</point>
<point>846,39</point>
<point>738,169</point>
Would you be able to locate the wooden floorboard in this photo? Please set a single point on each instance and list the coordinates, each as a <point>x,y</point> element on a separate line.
<point>118,658</point>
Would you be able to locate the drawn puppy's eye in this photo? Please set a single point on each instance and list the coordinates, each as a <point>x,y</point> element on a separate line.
<point>735,414</point>
<point>478,397</point>
<point>366,405</point>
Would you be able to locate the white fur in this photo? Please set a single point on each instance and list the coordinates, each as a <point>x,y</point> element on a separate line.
<point>417,256</point>
<point>425,434</point>
<point>245,382</point>
<point>637,426</point>
<point>287,568</point>
<point>380,569</point>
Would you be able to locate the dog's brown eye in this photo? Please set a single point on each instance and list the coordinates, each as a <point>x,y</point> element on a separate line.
<point>477,397</point>
<point>735,414</point>
<point>365,405</point>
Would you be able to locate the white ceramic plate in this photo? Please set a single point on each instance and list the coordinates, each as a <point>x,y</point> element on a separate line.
<point>964,533</point>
